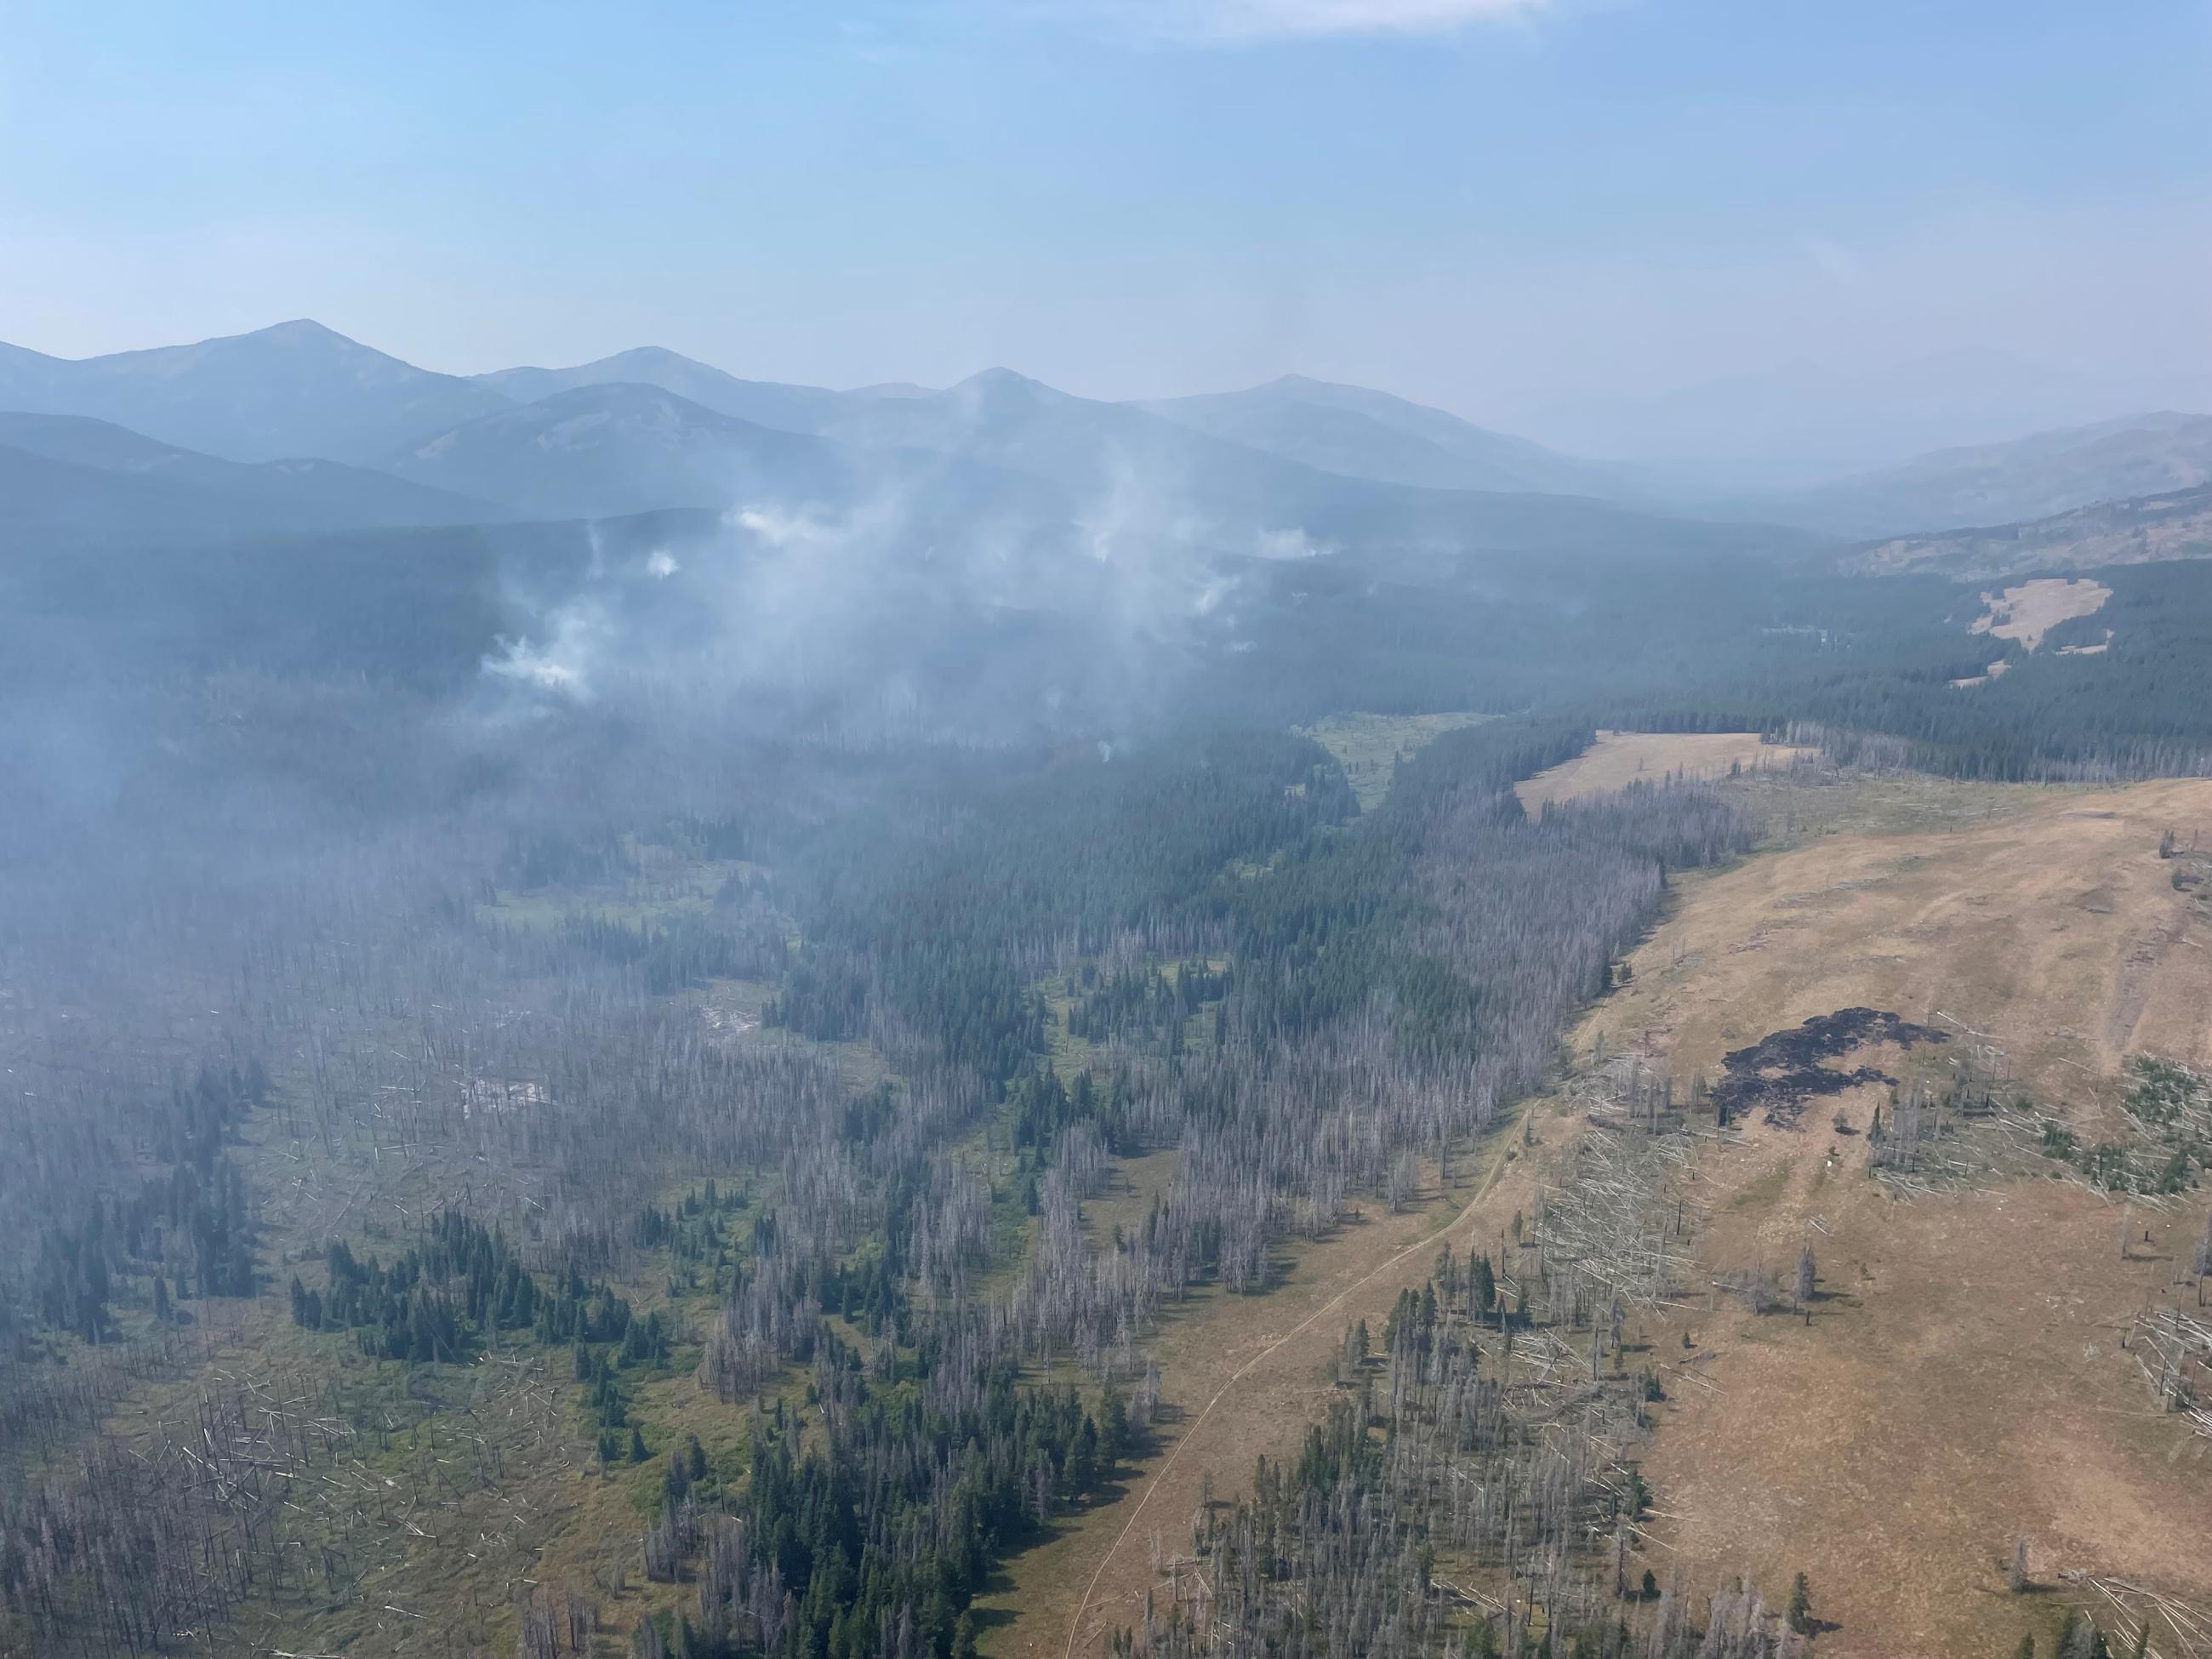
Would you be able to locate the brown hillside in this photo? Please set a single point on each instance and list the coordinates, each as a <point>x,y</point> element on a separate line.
<point>1961,1383</point>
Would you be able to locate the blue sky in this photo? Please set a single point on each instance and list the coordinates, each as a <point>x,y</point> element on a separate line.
<point>1486,204</point>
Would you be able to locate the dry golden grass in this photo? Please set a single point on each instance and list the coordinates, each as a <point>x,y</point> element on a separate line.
<point>1618,759</point>
<point>2054,928</point>
<point>2032,610</point>
<point>1960,1383</point>
<point>1996,671</point>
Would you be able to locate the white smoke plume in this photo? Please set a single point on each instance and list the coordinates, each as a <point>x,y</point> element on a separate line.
<point>892,613</point>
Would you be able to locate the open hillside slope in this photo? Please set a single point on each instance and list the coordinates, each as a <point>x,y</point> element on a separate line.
<point>1372,435</point>
<point>602,450</point>
<point>69,474</point>
<point>605,450</point>
<point>1965,1379</point>
<point>2026,478</point>
<point>2177,524</point>
<point>1800,422</point>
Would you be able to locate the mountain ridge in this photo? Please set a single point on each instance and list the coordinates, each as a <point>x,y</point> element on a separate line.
<point>1802,424</point>
<point>608,450</point>
<point>74,473</point>
<point>295,388</point>
<point>1363,433</point>
<point>766,403</point>
<point>2035,476</point>
<point>2170,525</point>
<point>1295,453</point>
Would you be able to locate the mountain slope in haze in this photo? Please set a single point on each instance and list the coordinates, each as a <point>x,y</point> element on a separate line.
<point>295,389</point>
<point>1335,428</point>
<point>210,494</point>
<point>1802,424</point>
<point>1373,434</point>
<point>1137,475</point>
<point>2032,477</point>
<point>1123,465</point>
<point>765,403</point>
<point>602,450</point>
<point>1398,476</point>
<point>45,500</point>
<point>1001,461</point>
<point>2172,525</point>
<point>996,453</point>
<point>1088,448</point>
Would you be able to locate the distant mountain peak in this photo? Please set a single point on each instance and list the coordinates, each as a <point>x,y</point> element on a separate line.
<point>298,336</point>
<point>650,356</point>
<point>999,394</point>
<point>295,387</point>
<point>659,356</point>
<point>1000,380</point>
<point>301,331</point>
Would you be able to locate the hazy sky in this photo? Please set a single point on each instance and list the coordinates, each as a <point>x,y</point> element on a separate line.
<point>1479,202</point>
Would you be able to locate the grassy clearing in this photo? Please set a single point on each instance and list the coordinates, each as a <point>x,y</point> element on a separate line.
<point>1619,759</point>
<point>662,886</point>
<point>1135,1186</point>
<point>734,1011</point>
<point>1370,746</point>
<point>1071,1054</point>
<point>1961,1382</point>
<point>2032,609</point>
<point>1795,805</point>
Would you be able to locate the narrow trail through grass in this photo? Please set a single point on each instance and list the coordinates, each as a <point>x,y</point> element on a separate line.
<point>1153,1482</point>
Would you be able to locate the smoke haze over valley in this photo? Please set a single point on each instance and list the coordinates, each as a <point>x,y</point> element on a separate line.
<point>1332,829</point>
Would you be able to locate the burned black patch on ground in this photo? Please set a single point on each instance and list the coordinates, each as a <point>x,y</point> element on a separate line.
<point>1782,1071</point>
